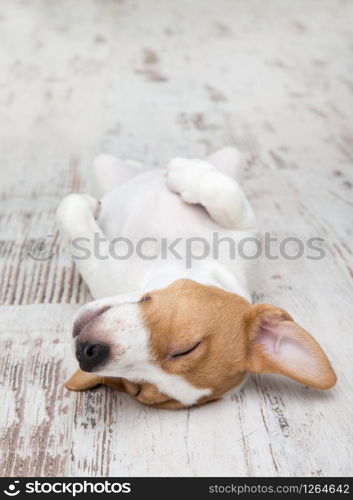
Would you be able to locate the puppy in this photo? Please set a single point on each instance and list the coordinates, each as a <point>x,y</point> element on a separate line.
<point>171,330</point>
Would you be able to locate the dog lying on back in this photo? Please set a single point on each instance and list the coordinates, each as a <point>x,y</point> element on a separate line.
<point>170,334</point>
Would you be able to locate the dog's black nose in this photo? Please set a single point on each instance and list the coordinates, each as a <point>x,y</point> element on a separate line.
<point>91,355</point>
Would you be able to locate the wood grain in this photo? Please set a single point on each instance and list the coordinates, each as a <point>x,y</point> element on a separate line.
<point>150,83</point>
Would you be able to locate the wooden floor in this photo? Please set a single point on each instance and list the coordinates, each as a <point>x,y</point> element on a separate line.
<point>152,80</point>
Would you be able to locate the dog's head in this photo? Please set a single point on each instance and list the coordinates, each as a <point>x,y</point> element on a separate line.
<point>196,342</point>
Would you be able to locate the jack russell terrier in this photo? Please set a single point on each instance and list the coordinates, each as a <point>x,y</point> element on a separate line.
<point>169,334</point>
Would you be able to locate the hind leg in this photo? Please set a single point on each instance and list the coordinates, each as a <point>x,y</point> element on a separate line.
<point>109,172</point>
<point>199,182</point>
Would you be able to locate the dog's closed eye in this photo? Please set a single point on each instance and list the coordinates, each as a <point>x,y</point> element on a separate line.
<point>179,354</point>
<point>145,298</point>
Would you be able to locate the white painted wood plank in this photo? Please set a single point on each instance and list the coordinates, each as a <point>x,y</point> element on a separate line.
<point>35,423</point>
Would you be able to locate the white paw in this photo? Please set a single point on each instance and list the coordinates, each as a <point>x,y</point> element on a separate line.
<point>75,206</point>
<point>184,177</point>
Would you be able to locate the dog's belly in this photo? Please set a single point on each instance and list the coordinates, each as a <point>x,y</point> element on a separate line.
<point>144,212</point>
<point>145,208</point>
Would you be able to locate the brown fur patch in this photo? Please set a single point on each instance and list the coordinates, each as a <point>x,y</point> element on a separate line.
<point>186,313</point>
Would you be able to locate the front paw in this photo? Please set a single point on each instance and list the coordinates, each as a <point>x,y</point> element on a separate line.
<point>184,175</point>
<point>75,205</point>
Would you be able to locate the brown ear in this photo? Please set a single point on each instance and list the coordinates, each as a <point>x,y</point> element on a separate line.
<point>81,381</point>
<point>279,345</point>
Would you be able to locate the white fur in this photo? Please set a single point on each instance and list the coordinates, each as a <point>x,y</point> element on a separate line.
<point>152,204</point>
<point>198,181</point>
